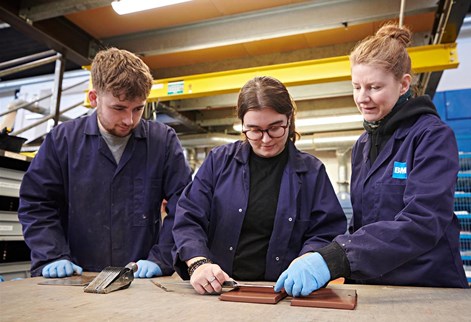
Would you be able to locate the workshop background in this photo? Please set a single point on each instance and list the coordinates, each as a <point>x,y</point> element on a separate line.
<point>201,52</point>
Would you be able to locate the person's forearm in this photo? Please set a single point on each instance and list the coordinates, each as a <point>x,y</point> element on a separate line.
<point>336,260</point>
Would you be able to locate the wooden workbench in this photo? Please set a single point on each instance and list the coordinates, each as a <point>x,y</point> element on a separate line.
<point>25,300</point>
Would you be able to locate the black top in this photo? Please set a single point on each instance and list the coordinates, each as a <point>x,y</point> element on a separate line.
<point>400,113</point>
<point>265,181</point>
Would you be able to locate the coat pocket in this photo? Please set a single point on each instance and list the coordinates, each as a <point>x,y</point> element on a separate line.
<point>389,200</point>
<point>147,200</point>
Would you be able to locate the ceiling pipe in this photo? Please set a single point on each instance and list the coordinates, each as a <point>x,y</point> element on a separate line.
<point>343,156</point>
<point>437,38</point>
<point>343,194</point>
<point>328,141</point>
<point>208,140</point>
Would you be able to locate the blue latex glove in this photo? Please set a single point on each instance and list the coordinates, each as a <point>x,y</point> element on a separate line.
<point>147,269</point>
<point>305,275</point>
<point>61,268</point>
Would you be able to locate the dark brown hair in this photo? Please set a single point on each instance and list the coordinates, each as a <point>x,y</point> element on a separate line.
<point>121,72</point>
<point>386,49</point>
<point>267,92</point>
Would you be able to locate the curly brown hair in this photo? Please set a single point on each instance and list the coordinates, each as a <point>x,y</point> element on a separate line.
<point>122,73</point>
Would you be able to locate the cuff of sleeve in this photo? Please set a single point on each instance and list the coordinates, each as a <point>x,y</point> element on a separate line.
<point>336,259</point>
<point>166,269</point>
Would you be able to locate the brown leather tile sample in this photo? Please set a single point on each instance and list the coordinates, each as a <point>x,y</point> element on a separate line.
<point>328,298</point>
<point>253,294</point>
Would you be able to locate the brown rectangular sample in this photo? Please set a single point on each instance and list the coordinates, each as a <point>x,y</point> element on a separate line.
<point>76,280</point>
<point>328,298</point>
<point>257,288</point>
<point>253,294</point>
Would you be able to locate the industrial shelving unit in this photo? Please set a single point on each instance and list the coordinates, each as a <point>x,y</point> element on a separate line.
<point>463,210</point>
<point>14,254</point>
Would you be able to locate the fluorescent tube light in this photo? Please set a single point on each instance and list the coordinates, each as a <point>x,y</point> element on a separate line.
<point>326,142</point>
<point>329,120</point>
<point>318,121</point>
<point>223,139</point>
<point>336,139</point>
<point>123,7</point>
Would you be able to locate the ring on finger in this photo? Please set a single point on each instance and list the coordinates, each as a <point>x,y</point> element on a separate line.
<point>212,280</point>
<point>206,284</point>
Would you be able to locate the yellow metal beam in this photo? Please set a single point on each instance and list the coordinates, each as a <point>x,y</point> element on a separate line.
<point>429,58</point>
<point>424,59</point>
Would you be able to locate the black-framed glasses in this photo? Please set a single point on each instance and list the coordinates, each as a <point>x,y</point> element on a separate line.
<point>274,132</point>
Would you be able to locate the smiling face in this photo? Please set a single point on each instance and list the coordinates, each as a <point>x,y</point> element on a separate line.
<point>376,91</point>
<point>262,119</point>
<point>118,117</point>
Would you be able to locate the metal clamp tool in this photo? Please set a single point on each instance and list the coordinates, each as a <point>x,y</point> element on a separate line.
<point>112,279</point>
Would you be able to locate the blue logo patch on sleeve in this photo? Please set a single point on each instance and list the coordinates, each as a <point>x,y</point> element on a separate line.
<point>400,170</point>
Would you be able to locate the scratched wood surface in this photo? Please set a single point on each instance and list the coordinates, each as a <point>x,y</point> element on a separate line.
<point>25,300</point>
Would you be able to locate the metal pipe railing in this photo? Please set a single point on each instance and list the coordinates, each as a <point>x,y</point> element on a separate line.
<point>26,58</point>
<point>56,92</point>
<point>30,65</point>
<point>41,98</point>
<point>44,119</point>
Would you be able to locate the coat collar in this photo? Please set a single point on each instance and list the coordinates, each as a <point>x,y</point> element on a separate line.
<point>295,158</point>
<point>401,132</point>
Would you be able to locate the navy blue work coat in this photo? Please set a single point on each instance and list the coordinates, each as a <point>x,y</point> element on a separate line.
<point>76,203</point>
<point>211,210</point>
<point>404,228</point>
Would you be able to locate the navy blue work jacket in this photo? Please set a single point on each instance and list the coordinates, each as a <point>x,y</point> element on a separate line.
<point>404,228</point>
<point>211,210</point>
<point>76,203</point>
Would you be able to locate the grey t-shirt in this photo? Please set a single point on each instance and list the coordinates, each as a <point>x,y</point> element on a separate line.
<point>115,143</point>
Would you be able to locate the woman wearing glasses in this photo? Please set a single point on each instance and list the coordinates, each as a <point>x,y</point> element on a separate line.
<point>257,204</point>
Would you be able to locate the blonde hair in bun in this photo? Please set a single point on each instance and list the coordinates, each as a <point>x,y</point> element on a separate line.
<point>386,49</point>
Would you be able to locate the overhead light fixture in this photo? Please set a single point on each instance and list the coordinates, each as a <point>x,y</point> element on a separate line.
<point>123,7</point>
<point>329,120</point>
<point>327,142</point>
<point>336,139</point>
